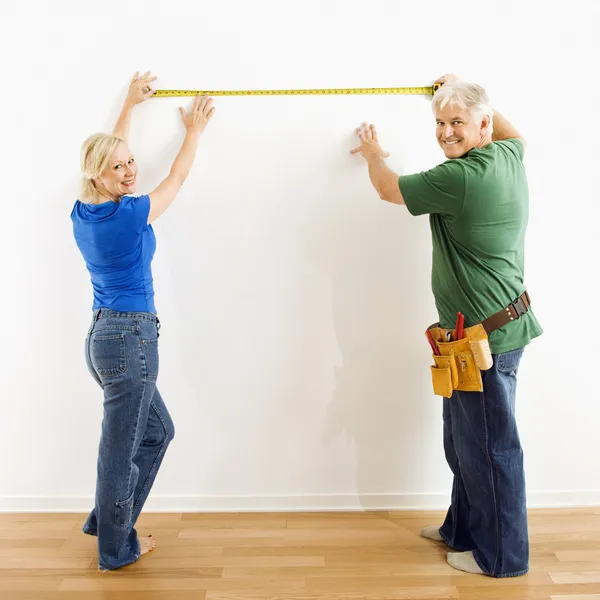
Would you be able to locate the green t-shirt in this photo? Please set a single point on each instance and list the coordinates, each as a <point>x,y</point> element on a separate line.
<point>478,206</point>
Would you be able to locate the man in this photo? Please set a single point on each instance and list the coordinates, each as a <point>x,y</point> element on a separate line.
<point>477,202</point>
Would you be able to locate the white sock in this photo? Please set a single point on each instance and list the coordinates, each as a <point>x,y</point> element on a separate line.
<point>464,561</point>
<point>432,533</point>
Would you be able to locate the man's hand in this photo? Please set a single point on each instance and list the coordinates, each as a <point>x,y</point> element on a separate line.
<point>447,78</point>
<point>383,179</point>
<point>369,143</point>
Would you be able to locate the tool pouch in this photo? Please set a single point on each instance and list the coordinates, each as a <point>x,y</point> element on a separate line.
<point>459,365</point>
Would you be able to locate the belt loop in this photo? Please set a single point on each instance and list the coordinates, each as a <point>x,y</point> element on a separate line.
<point>95,316</point>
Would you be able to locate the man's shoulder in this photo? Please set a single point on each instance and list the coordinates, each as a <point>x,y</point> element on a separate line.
<point>446,172</point>
<point>494,157</point>
<point>510,147</point>
<point>450,168</point>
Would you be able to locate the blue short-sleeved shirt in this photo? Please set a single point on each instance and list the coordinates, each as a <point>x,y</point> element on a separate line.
<point>117,245</point>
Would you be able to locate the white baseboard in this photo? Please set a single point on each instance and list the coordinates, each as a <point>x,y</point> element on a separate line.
<point>284,503</point>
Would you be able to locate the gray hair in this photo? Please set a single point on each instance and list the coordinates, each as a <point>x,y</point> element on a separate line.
<point>466,96</point>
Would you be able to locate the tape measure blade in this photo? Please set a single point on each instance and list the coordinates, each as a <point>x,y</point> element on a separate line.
<point>299,92</point>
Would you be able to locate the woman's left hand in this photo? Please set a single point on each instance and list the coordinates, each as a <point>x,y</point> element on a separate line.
<point>140,88</point>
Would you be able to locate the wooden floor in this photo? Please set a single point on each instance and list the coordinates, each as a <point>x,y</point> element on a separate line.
<point>290,556</point>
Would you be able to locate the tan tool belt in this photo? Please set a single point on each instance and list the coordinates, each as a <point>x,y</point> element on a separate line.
<point>459,363</point>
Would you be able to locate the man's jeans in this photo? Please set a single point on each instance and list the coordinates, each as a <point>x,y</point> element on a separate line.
<point>488,508</point>
<point>122,356</point>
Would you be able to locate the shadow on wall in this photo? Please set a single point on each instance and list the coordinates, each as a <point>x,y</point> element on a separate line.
<point>377,257</point>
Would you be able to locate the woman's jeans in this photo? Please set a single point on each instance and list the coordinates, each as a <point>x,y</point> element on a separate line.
<point>488,509</point>
<point>122,356</point>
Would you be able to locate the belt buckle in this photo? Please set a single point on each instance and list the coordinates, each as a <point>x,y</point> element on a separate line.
<point>519,308</point>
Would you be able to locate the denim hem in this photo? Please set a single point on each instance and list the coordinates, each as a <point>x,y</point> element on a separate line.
<point>453,546</point>
<point>501,575</point>
<point>136,557</point>
<point>100,568</point>
<point>516,574</point>
<point>90,532</point>
<point>480,564</point>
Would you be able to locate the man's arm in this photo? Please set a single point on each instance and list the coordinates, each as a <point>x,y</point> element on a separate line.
<point>504,130</point>
<point>139,90</point>
<point>383,179</point>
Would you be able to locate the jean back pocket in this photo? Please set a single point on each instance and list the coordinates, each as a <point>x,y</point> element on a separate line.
<point>108,354</point>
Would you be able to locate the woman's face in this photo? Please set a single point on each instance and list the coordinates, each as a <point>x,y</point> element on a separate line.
<point>119,179</point>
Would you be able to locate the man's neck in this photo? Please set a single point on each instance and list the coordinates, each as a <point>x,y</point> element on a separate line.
<point>486,140</point>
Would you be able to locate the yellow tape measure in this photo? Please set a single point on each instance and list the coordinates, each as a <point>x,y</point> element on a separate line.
<point>428,90</point>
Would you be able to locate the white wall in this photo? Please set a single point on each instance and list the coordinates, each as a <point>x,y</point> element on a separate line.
<point>293,300</point>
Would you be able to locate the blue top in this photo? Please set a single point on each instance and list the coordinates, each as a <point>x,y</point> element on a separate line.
<point>118,245</point>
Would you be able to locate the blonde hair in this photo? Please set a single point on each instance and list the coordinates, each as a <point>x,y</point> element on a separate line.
<point>96,153</point>
<point>466,96</point>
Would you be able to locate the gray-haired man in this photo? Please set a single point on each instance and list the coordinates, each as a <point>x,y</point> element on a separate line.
<point>477,202</point>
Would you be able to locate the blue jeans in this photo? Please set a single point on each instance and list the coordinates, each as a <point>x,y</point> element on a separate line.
<point>488,508</point>
<point>122,356</point>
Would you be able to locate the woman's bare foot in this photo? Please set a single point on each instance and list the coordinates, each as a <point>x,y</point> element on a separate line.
<point>147,544</point>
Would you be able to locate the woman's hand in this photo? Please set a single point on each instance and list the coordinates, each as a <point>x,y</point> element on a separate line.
<point>199,116</point>
<point>140,88</point>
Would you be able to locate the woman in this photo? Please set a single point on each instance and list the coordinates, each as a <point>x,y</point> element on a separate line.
<point>113,231</point>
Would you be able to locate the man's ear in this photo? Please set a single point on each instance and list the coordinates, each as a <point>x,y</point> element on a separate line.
<point>485,123</point>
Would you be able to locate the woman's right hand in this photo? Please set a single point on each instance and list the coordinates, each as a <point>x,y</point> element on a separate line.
<point>140,88</point>
<point>199,116</point>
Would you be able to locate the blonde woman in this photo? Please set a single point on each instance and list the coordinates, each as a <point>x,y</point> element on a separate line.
<point>112,228</point>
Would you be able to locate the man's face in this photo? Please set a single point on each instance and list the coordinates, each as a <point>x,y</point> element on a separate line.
<point>458,131</point>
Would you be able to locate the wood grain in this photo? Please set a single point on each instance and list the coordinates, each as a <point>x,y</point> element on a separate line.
<point>290,556</point>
